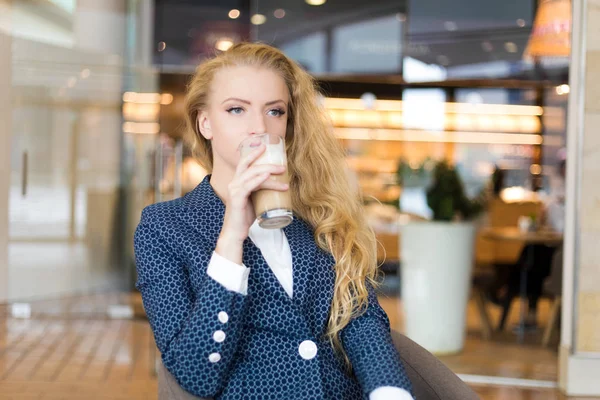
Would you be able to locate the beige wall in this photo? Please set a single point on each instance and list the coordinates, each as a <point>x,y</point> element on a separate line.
<point>5,135</point>
<point>588,280</point>
<point>580,335</point>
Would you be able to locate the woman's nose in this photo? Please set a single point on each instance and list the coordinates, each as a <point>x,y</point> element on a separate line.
<point>258,125</point>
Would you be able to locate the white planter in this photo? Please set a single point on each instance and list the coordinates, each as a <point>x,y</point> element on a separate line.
<point>437,260</point>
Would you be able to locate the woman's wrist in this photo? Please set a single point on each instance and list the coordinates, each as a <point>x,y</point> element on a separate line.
<point>230,246</point>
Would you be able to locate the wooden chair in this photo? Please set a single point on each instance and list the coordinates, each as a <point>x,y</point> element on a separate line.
<point>553,289</point>
<point>490,253</point>
<point>483,276</point>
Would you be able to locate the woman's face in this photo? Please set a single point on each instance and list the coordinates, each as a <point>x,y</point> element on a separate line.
<point>243,101</point>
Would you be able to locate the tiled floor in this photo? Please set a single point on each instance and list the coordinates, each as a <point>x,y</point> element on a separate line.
<point>507,393</point>
<point>501,356</point>
<point>70,350</point>
<point>57,358</point>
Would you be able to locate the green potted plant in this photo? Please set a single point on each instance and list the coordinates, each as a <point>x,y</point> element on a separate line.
<point>437,259</point>
<point>446,196</point>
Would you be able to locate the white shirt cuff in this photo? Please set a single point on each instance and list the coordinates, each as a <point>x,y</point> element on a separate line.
<point>389,393</point>
<point>229,274</point>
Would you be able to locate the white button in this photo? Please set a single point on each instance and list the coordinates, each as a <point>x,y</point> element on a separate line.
<point>214,358</point>
<point>307,349</point>
<point>223,317</point>
<point>219,336</point>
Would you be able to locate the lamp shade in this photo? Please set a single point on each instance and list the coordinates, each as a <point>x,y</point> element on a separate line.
<point>551,32</point>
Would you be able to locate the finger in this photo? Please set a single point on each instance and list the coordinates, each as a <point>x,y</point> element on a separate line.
<point>251,179</point>
<point>255,170</point>
<point>250,158</point>
<point>268,183</point>
<point>274,185</point>
<point>254,183</point>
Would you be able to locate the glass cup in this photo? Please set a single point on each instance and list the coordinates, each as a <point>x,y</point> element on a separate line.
<point>273,208</point>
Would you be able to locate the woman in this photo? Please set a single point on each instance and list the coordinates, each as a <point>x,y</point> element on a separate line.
<point>242,312</point>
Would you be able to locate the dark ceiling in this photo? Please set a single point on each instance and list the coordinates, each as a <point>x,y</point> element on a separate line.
<point>441,32</point>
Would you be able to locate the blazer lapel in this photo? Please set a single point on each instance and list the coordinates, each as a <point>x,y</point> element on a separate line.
<point>304,250</point>
<point>203,210</point>
<point>262,271</point>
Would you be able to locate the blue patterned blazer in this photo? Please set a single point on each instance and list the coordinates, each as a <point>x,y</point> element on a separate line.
<point>264,345</point>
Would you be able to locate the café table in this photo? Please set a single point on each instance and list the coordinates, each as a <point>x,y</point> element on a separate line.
<point>543,236</point>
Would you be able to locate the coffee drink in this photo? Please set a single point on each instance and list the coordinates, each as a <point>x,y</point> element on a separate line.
<point>273,208</point>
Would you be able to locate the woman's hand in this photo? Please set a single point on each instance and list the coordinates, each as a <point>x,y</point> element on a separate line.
<point>239,212</point>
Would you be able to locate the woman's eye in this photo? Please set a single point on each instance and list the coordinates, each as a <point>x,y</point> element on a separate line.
<point>235,110</point>
<point>277,112</point>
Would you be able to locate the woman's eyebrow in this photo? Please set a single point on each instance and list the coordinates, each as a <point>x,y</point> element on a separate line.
<point>274,102</point>
<point>248,102</point>
<point>236,99</point>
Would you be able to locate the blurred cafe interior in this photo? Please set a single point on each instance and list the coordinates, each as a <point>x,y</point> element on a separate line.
<point>467,128</point>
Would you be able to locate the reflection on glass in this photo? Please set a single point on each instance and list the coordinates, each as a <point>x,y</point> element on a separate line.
<point>417,71</point>
<point>309,51</point>
<point>66,59</point>
<point>477,39</point>
<point>371,46</point>
<point>191,31</point>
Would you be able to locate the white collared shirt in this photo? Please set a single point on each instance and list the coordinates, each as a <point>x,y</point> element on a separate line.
<point>274,246</point>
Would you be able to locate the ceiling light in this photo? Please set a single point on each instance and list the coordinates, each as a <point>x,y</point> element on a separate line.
<point>166,99</point>
<point>133,97</point>
<point>411,135</point>
<point>368,100</point>
<point>510,47</point>
<point>450,26</point>
<point>563,89</point>
<point>129,97</point>
<point>535,169</point>
<point>233,14</point>
<point>141,127</point>
<point>315,2</point>
<point>279,13</point>
<point>258,19</point>
<point>223,44</point>
<point>338,103</point>
<point>521,22</point>
<point>487,46</point>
